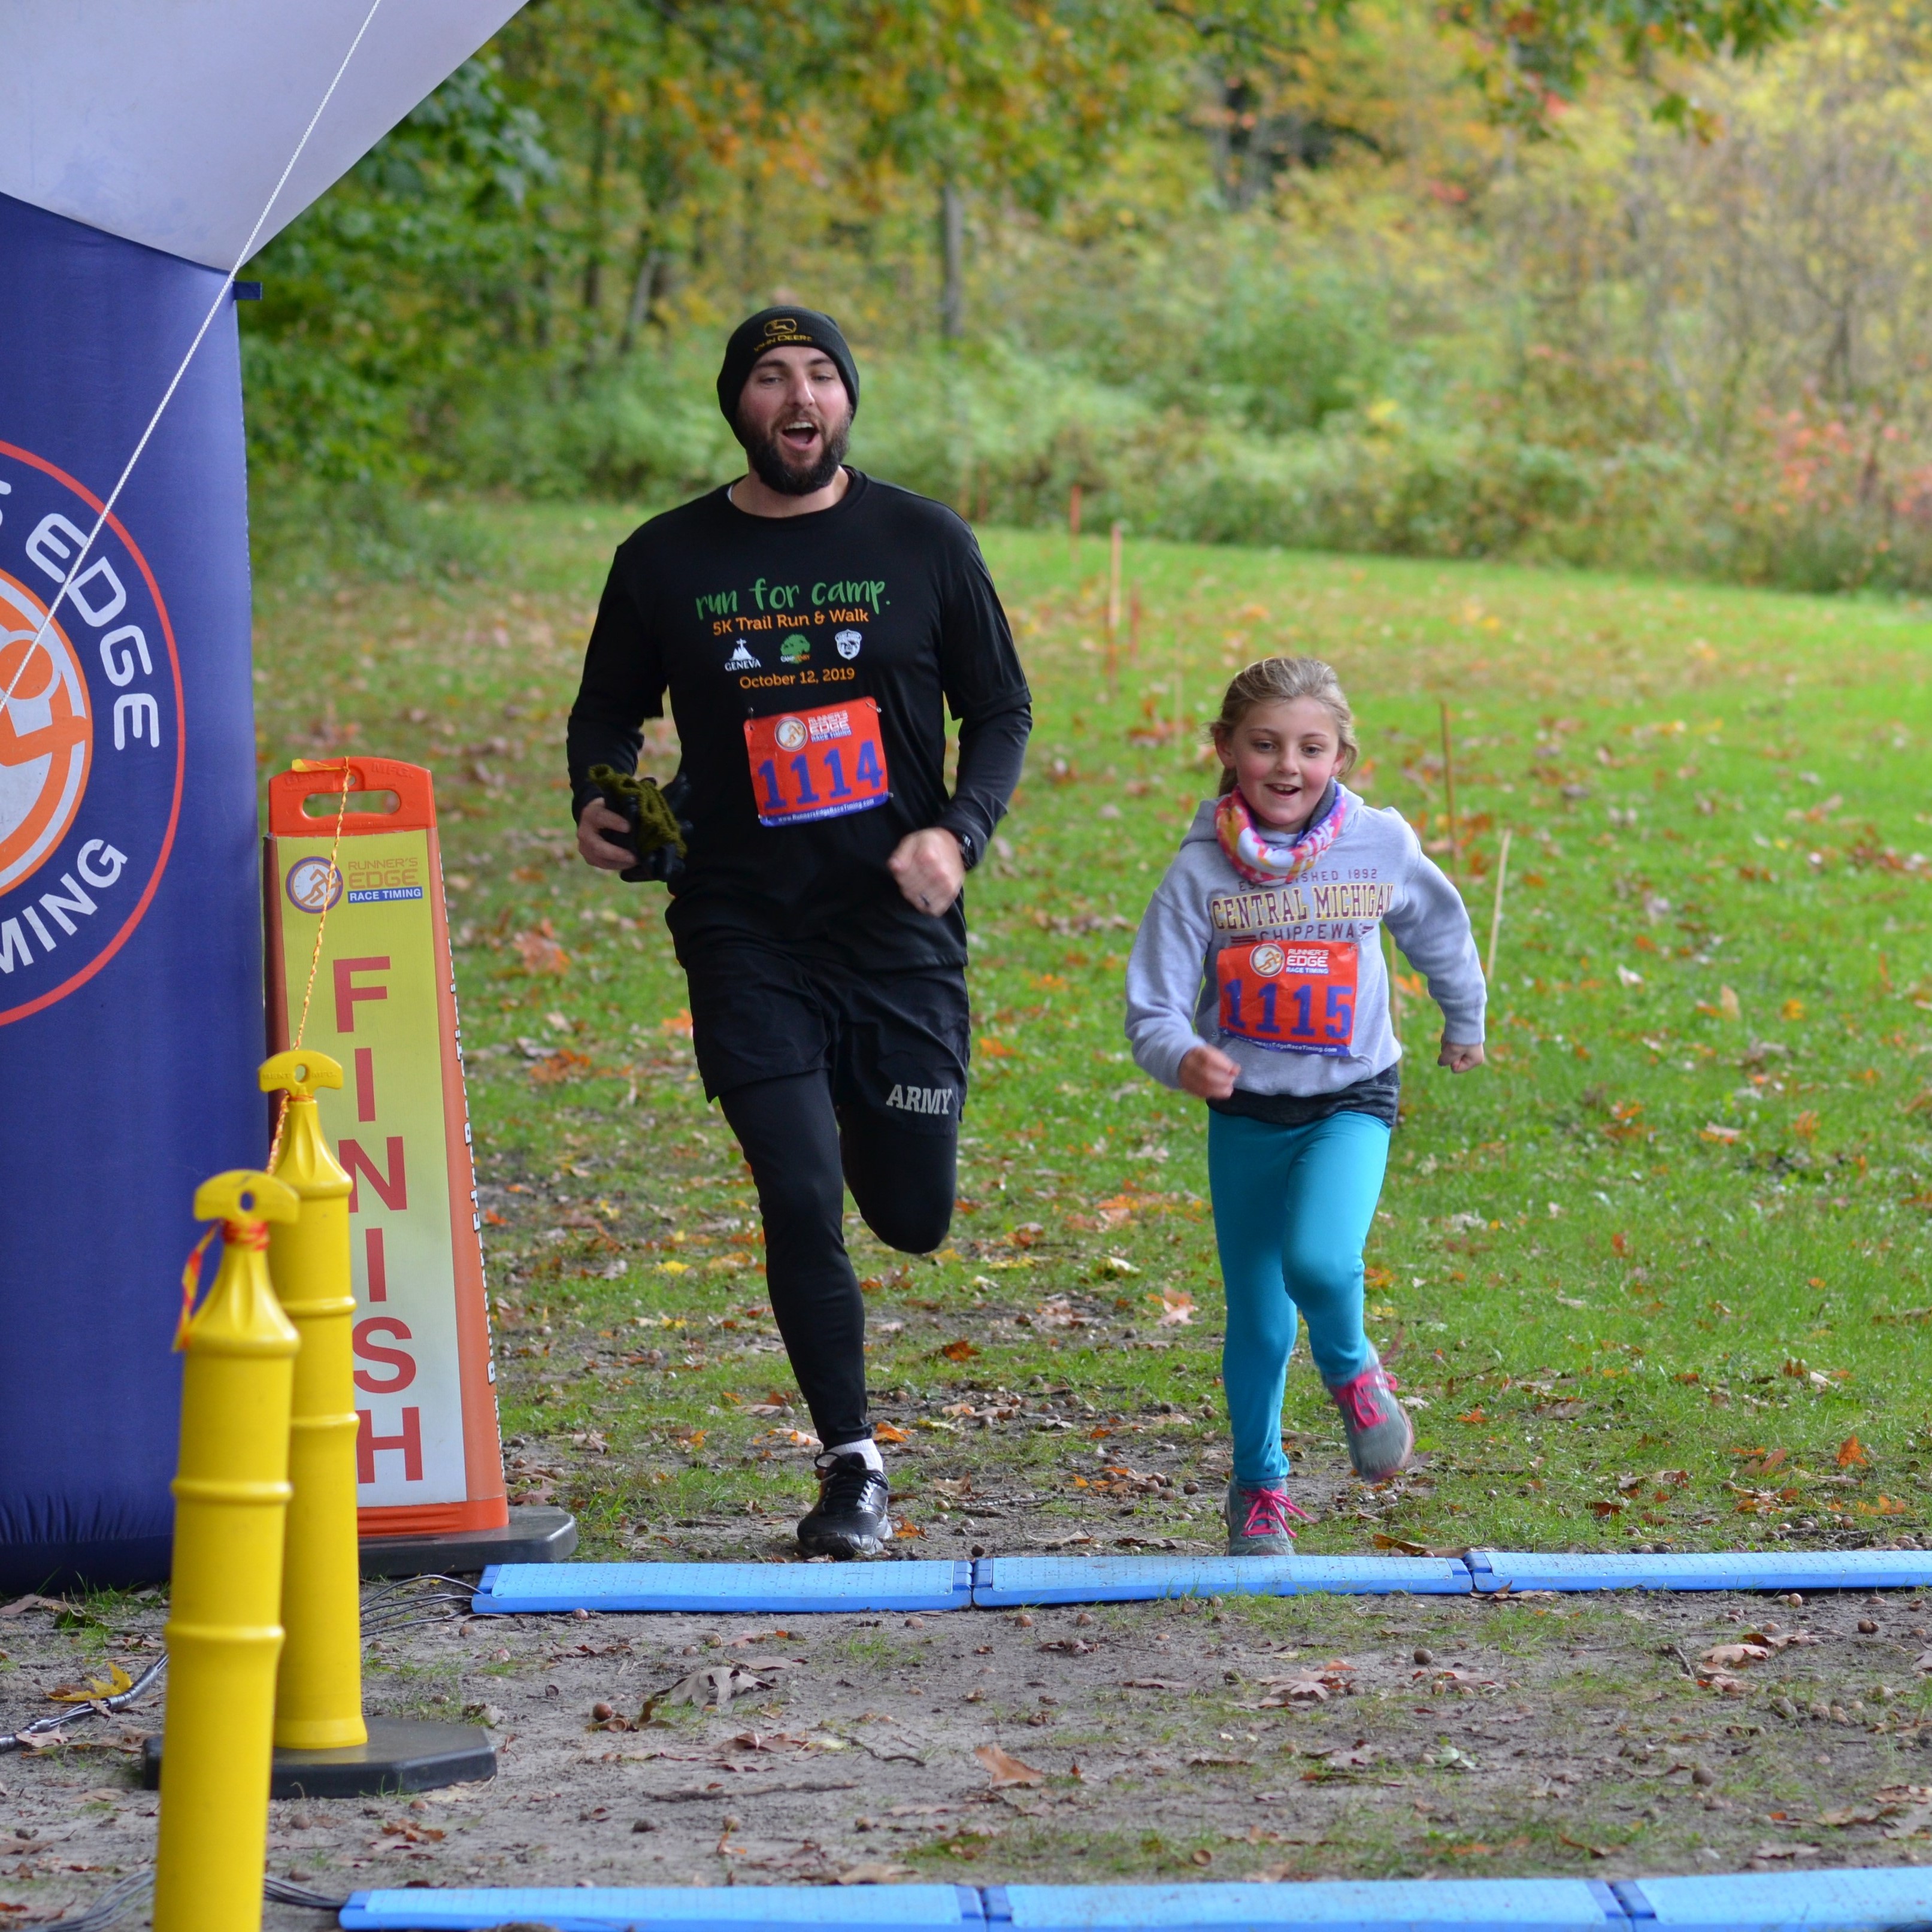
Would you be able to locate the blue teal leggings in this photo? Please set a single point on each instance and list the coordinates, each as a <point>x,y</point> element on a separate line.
<point>1292,1207</point>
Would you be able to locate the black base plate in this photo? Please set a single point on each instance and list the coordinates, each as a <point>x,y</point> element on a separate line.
<point>534,1533</point>
<point>403,1754</point>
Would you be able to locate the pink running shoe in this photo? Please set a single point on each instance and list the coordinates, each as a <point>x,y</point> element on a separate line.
<point>1379,1432</point>
<point>1257,1523</point>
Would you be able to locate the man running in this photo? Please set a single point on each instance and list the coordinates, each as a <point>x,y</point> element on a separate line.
<point>811,626</point>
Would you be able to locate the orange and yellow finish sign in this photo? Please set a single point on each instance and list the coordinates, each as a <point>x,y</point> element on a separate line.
<point>382,1003</point>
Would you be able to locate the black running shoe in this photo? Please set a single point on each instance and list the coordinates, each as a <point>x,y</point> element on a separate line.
<point>850,1518</point>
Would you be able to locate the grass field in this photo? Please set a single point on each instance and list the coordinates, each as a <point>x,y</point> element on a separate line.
<point>1657,1275</point>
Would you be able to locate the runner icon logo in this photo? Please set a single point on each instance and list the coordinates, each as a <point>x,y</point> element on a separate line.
<point>741,659</point>
<point>1267,960</point>
<point>790,733</point>
<point>313,885</point>
<point>848,643</point>
<point>91,748</point>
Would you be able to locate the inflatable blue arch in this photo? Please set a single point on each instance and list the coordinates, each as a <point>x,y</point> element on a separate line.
<point>143,149</point>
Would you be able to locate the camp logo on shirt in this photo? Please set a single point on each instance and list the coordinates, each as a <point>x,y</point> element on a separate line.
<point>91,754</point>
<point>794,650</point>
<point>741,659</point>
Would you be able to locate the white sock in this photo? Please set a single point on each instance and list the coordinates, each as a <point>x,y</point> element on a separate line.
<point>867,1450</point>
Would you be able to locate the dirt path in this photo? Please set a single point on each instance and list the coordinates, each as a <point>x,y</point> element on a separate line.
<point>1248,1738</point>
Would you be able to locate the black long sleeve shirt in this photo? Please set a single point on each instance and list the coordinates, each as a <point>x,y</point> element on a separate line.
<point>774,637</point>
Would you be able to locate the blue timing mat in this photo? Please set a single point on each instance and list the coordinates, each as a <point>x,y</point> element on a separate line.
<point>1393,1905</point>
<point>1877,1900</point>
<point>745,1908</point>
<point>1001,1581</point>
<point>741,1588</point>
<point>1737,1569</point>
<point>1890,1899</point>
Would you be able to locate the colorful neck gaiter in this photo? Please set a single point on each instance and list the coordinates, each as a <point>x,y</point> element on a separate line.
<point>1261,864</point>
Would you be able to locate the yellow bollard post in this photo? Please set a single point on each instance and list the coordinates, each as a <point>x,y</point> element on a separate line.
<point>231,1500</point>
<point>319,1689</point>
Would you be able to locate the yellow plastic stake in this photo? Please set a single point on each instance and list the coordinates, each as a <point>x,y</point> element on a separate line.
<point>318,1690</point>
<point>231,1502</point>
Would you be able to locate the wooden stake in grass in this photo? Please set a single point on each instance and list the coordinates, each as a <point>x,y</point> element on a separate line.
<point>1496,910</point>
<point>1073,525</point>
<point>1134,627</point>
<point>1179,700</point>
<point>1114,545</point>
<point>1449,789</point>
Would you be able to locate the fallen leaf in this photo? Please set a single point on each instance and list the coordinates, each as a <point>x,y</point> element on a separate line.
<point>20,1606</point>
<point>118,1680</point>
<point>1852,1454</point>
<point>876,1873</point>
<point>539,951</point>
<point>959,1351</point>
<point>1727,1004</point>
<point>1577,1844</point>
<point>718,1684</point>
<point>1851,1814</point>
<point>1737,1653</point>
<point>1296,1691</point>
<point>1005,1769</point>
<point>884,1431</point>
<point>995,1049</point>
<point>1177,1307</point>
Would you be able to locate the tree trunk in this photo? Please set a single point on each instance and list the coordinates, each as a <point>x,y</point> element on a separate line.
<point>952,259</point>
<point>593,260</point>
<point>643,293</point>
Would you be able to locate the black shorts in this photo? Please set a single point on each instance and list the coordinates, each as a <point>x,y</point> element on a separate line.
<point>895,1043</point>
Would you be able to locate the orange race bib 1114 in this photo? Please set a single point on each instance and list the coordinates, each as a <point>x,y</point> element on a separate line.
<point>818,764</point>
<point>1292,996</point>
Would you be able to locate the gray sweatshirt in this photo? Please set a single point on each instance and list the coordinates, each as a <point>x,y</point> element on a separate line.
<point>1300,1003</point>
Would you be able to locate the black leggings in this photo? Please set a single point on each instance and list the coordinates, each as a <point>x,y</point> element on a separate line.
<point>804,1153</point>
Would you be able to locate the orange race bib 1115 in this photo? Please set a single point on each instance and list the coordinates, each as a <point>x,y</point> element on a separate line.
<point>1293,998</point>
<point>818,764</point>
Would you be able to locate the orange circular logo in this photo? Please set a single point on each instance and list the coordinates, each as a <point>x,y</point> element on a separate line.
<point>46,733</point>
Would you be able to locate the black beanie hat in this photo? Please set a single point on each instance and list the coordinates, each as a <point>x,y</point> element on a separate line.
<point>781,329</point>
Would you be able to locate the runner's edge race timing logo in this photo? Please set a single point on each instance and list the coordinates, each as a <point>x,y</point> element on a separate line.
<point>93,754</point>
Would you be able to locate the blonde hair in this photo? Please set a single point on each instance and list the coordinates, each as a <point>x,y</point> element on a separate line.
<point>1281,681</point>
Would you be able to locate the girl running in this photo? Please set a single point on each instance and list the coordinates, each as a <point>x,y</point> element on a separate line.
<point>1257,985</point>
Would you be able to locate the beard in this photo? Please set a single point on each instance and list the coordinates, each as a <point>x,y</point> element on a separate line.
<point>777,471</point>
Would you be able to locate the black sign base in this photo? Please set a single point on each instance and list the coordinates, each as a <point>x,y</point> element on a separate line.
<point>403,1754</point>
<point>534,1533</point>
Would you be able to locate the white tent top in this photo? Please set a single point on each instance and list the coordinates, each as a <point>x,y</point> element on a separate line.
<point>168,121</point>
